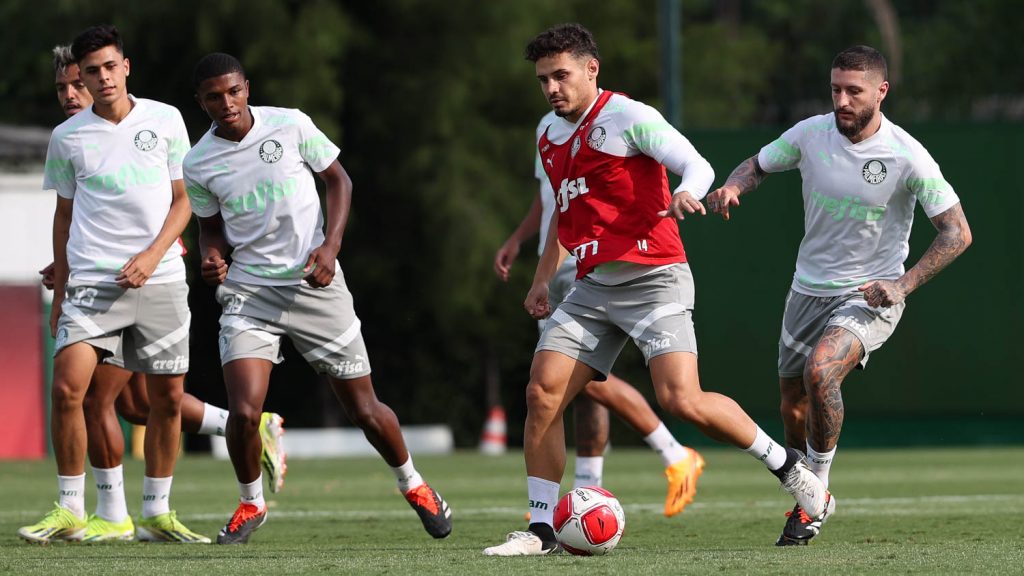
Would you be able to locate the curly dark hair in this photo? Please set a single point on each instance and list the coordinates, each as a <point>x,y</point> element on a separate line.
<point>95,38</point>
<point>571,37</point>
<point>863,59</point>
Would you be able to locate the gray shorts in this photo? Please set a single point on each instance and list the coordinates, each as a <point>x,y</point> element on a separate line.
<point>559,288</point>
<point>145,328</point>
<point>321,323</point>
<point>806,318</point>
<point>594,321</point>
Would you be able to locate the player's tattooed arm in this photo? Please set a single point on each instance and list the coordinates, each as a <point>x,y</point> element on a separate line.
<point>954,236</point>
<point>747,176</point>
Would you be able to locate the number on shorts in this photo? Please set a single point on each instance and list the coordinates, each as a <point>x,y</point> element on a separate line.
<point>84,296</point>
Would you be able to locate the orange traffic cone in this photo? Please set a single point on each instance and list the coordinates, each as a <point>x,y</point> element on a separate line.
<point>492,441</point>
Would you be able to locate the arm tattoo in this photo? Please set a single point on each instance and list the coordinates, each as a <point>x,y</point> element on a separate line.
<point>835,356</point>
<point>747,176</point>
<point>953,238</point>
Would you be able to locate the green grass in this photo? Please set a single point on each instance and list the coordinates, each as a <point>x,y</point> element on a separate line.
<point>899,511</point>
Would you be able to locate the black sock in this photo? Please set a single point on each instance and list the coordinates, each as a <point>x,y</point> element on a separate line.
<point>543,531</point>
<point>792,457</point>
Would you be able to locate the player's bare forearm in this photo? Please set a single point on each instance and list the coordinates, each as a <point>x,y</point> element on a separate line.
<point>954,236</point>
<point>61,232</point>
<point>177,219</point>
<point>530,223</point>
<point>339,202</point>
<point>212,243</point>
<point>552,257</point>
<point>747,176</point>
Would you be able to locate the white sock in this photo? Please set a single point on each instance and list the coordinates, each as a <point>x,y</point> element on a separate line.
<point>820,462</point>
<point>156,496</point>
<point>767,450</point>
<point>407,476</point>
<point>214,420</point>
<point>543,497</point>
<point>110,502</point>
<point>252,493</point>
<point>664,443</point>
<point>589,471</point>
<point>72,493</point>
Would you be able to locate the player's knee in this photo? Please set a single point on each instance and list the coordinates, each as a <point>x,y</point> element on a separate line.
<point>66,396</point>
<point>363,415</point>
<point>245,418</point>
<point>540,397</point>
<point>166,400</point>
<point>683,406</point>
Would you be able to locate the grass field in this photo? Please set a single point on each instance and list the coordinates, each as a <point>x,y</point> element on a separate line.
<point>910,511</point>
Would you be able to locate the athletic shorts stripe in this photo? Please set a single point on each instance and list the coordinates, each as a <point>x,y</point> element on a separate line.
<point>655,315</point>
<point>582,335</point>
<point>81,319</point>
<point>166,342</point>
<point>335,345</point>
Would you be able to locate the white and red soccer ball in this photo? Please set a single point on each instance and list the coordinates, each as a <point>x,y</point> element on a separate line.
<point>589,521</point>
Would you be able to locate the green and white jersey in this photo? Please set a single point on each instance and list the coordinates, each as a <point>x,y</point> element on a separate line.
<point>858,201</point>
<point>263,187</point>
<point>119,177</point>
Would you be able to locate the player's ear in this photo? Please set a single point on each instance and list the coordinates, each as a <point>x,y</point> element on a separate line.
<point>127,67</point>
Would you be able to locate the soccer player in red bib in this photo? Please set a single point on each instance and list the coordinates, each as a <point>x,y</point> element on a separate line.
<point>605,156</point>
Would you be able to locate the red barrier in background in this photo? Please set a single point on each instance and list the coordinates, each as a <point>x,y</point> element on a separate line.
<point>22,396</point>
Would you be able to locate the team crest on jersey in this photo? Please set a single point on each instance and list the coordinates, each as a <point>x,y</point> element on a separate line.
<point>873,172</point>
<point>575,146</point>
<point>271,151</point>
<point>596,138</point>
<point>146,140</point>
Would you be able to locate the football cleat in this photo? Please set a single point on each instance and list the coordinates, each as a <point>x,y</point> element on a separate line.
<point>523,544</point>
<point>808,490</point>
<point>58,524</point>
<point>246,520</point>
<point>273,456</point>
<point>682,482</point>
<point>800,527</point>
<point>167,528</point>
<point>99,529</point>
<point>432,509</point>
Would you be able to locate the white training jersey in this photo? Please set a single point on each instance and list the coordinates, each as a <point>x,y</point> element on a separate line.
<point>547,193</point>
<point>119,178</point>
<point>263,188</point>
<point>858,201</point>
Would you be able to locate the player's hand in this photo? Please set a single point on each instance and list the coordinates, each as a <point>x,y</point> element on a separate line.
<point>47,274</point>
<point>722,198</point>
<point>536,303</point>
<point>682,203</point>
<point>504,257</point>
<point>214,270</point>
<point>319,269</point>
<point>883,293</point>
<point>138,269</point>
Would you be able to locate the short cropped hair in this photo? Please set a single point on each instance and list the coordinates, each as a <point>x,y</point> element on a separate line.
<point>214,65</point>
<point>572,38</point>
<point>863,59</point>
<point>62,58</point>
<point>95,38</point>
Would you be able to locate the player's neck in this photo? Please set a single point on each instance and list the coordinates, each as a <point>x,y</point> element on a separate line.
<point>115,111</point>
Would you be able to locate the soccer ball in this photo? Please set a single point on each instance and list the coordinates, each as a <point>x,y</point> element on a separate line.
<point>589,521</point>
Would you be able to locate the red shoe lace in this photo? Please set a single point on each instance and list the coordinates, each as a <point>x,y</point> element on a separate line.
<point>243,514</point>
<point>423,497</point>
<point>804,518</point>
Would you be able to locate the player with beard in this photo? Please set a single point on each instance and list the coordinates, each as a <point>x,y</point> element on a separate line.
<point>606,158</point>
<point>862,176</point>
